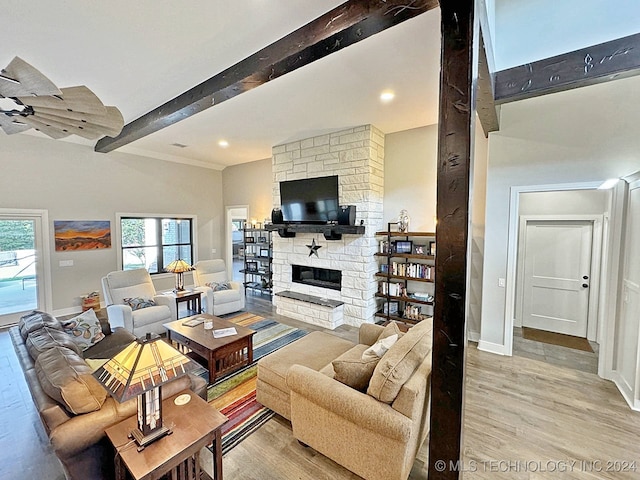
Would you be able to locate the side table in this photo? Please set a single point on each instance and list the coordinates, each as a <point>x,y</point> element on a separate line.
<point>195,425</point>
<point>193,302</point>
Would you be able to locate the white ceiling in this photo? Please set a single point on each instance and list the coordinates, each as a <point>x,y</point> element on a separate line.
<point>137,55</point>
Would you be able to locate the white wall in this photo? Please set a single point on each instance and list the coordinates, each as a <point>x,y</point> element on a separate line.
<point>410,177</point>
<point>249,184</point>
<point>530,30</point>
<point>582,135</point>
<point>73,182</point>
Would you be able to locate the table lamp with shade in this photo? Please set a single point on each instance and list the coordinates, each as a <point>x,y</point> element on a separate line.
<point>140,370</point>
<point>179,267</point>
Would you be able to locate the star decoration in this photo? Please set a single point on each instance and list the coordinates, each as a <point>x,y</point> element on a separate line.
<point>313,248</point>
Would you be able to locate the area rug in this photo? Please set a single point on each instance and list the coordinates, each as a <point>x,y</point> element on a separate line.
<point>569,341</point>
<point>235,395</point>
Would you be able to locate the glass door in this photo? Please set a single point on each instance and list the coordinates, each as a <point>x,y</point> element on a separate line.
<point>22,285</point>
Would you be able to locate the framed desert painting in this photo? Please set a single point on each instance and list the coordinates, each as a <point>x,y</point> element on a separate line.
<point>81,234</point>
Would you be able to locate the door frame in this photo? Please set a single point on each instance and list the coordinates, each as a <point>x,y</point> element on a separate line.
<point>43,265</point>
<point>596,260</point>
<point>228,235</point>
<point>512,249</point>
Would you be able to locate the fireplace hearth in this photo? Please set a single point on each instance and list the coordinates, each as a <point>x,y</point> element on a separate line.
<point>317,277</point>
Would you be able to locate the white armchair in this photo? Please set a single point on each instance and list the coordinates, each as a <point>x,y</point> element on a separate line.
<point>136,284</point>
<point>222,301</point>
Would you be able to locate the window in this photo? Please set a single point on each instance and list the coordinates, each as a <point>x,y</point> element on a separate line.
<point>155,242</point>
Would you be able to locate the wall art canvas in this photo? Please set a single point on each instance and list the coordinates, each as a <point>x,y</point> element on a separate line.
<point>81,234</point>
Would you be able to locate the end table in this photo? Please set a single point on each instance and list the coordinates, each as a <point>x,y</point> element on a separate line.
<point>195,425</point>
<point>194,306</point>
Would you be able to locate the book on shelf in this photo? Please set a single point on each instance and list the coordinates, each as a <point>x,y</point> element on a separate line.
<point>423,296</point>
<point>413,270</point>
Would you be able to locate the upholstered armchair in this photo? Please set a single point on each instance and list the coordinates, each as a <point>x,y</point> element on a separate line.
<point>137,287</point>
<point>208,276</point>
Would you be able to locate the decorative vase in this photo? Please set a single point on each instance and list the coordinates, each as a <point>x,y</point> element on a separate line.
<point>403,221</point>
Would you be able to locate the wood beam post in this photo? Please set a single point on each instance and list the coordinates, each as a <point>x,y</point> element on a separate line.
<point>345,25</point>
<point>455,140</point>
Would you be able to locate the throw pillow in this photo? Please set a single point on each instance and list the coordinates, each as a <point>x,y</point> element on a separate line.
<point>378,349</point>
<point>136,303</point>
<point>391,329</point>
<point>355,373</point>
<point>85,329</point>
<point>218,286</point>
<point>399,363</point>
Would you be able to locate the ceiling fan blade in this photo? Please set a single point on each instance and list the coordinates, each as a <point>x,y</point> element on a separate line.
<point>10,125</point>
<point>19,79</point>
<point>84,130</point>
<point>111,123</point>
<point>75,99</point>
<point>54,133</point>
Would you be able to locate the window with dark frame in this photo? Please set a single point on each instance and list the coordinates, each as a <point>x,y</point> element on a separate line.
<point>155,242</point>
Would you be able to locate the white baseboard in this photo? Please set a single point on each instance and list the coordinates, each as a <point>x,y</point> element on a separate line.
<point>71,310</point>
<point>473,336</point>
<point>624,390</point>
<point>496,348</point>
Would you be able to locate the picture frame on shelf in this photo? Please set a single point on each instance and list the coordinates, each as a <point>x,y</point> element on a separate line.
<point>432,248</point>
<point>264,252</point>
<point>420,249</point>
<point>262,239</point>
<point>403,246</point>
<point>391,308</point>
<point>249,240</point>
<point>252,266</point>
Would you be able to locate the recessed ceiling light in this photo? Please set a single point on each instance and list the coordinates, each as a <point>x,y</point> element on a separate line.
<point>223,143</point>
<point>387,96</point>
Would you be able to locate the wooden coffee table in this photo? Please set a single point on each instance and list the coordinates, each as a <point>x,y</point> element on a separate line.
<point>223,355</point>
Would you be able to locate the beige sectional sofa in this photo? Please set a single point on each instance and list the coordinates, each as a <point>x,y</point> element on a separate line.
<point>375,432</point>
<point>73,406</point>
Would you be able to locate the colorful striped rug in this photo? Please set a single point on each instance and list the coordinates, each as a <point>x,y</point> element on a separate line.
<point>235,395</point>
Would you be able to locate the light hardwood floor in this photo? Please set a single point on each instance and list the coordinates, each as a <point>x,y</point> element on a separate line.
<point>520,414</point>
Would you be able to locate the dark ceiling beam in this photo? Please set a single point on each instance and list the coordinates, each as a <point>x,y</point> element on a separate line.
<point>488,111</point>
<point>600,63</point>
<point>345,25</point>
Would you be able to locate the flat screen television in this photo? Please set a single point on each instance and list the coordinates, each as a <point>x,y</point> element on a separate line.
<point>311,200</point>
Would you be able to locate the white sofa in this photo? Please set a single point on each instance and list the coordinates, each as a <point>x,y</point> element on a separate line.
<point>136,284</point>
<point>218,302</point>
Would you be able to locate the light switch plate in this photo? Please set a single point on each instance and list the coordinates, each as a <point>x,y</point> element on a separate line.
<point>65,263</point>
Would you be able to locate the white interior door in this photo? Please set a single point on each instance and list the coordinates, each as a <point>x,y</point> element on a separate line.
<point>628,324</point>
<point>557,276</point>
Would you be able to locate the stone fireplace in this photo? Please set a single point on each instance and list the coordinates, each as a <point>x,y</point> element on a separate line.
<point>356,155</point>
